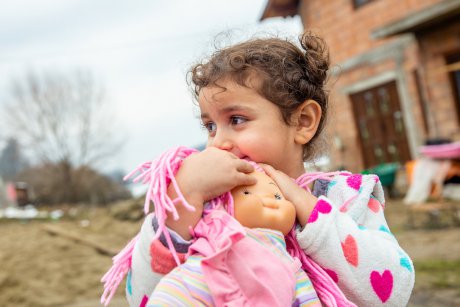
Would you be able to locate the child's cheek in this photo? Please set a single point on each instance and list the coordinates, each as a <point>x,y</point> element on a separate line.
<point>252,145</point>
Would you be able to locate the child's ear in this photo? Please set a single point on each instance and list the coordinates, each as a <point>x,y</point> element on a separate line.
<point>306,120</point>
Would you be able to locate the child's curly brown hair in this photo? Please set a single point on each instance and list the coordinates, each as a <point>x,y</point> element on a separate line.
<point>289,74</point>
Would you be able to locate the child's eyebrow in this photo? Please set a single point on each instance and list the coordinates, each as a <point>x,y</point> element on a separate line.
<point>235,107</point>
<point>204,116</point>
<point>228,109</point>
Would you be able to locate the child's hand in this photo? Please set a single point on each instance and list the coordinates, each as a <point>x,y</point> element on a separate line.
<point>202,177</point>
<point>213,172</point>
<point>303,201</point>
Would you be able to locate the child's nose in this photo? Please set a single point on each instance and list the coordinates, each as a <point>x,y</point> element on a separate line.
<point>222,142</point>
<point>227,145</point>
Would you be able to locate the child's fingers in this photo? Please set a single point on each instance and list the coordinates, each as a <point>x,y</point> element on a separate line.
<point>244,166</point>
<point>245,179</point>
<point>272,172</point>
<point>279,177</point>
<point>268,169</point>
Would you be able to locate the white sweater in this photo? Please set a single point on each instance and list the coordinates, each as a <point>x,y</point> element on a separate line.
<point>346,234</point>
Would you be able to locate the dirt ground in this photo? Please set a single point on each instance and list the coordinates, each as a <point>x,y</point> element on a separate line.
<point>42,269</point>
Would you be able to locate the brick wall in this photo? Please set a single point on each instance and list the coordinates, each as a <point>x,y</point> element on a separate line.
<point>347,32</point>
<point>434,46</point>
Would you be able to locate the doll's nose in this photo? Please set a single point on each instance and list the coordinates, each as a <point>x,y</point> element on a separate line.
<point>270,202</point>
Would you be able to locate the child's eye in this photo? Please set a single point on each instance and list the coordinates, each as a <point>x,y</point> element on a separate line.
<point>210,126</point>
<point>278,196</point>
<point>236,120</point>
<point>246,192</point>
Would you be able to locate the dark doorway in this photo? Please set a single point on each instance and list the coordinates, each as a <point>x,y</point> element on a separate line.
<point>380,123</point>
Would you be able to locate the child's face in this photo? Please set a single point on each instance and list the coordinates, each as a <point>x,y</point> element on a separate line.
<point>241,121</point>
<point>263,205</point>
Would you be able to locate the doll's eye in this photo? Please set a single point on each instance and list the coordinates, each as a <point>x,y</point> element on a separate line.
<point>278,196</point>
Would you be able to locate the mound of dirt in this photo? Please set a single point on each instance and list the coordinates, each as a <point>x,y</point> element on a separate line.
<point>63,267</point>
<point>40,268</point>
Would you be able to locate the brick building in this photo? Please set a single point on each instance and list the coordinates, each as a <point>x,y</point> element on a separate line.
<point>396,74</point>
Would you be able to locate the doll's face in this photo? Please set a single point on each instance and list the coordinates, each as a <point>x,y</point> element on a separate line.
<point>263,205</point>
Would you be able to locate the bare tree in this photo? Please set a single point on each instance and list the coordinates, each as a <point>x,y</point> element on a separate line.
<point>61,118</point>
<point>63,122</point>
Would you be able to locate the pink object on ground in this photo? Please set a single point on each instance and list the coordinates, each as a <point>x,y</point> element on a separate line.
<point>11,192</point>
<point>442,151</point>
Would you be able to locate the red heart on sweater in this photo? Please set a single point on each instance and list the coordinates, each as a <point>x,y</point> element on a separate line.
<point>382,284</point>
<point>350,250</point>
<point>374,205</point>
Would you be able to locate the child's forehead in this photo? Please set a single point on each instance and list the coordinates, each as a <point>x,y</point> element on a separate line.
<point>225,86</point>
<point>224,92</point>
<point>227,99</point>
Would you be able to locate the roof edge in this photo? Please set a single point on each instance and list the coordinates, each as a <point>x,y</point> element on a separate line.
<point>418,20</point>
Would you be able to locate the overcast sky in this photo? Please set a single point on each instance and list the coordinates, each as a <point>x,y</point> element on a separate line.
<point>140,50</point>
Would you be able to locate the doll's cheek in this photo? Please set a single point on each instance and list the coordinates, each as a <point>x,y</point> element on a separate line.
<point>248,218</point>
<point>251,211</point>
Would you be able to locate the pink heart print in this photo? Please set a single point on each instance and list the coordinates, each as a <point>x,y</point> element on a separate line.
<point>350,250</point>
<point>322,206</point>
<point>332,274</point>
<point>144,301</point>
<point>374,205</point>
<point>382,284</point>
<point>354,181</point>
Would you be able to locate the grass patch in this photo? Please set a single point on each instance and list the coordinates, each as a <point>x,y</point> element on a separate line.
<point>440,274</point>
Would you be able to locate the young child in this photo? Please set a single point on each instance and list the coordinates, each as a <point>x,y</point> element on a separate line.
<point>265,100</point>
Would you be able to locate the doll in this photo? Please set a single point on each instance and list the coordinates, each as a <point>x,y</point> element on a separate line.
<point>244,266</point>
<point>245,248</point>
